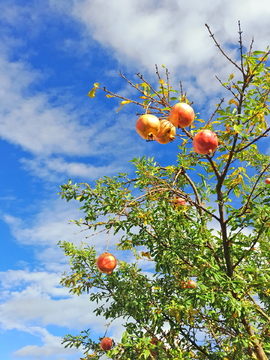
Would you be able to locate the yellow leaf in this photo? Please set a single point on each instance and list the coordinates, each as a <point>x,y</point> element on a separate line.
<point>235,314</point>
<point>109,96</point>
<point>184,142</point>
<point>232,101</point>
<point>163,66</point>
<point>123,103</point>
<point>146,254</point>
<point>161,81</point>
<point>231,77</point>
<point>92,92</point>
<point>227,128</point>
<point>145,222</point>
<point>177,316</point>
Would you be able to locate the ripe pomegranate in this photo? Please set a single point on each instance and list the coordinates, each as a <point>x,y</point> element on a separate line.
<point>166,132</point>
<point>180,201</point>
<point>267,181</point>
<point>148,126</point>
<point>191,284</point>
<point>181,115</point>
<point>205,142</point>
<point>154,342</point>
<point>106,263</point>
<point>106,343</point>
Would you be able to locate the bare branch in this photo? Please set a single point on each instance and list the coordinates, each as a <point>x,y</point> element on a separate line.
<point>213,37</point>
<point>241,46</point>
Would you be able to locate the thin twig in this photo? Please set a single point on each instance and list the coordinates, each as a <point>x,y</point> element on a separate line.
<point>222,100</point>
<point>223,53</point>
<point>241,46</point>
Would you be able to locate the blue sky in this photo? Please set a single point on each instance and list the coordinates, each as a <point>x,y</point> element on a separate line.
<point>51,54</point>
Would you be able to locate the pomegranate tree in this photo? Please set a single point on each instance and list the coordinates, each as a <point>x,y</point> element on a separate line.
<point>205,142</point>
<point>106,263</point>
<point>106,343</point>
<point>223,247</point>
<point>166,132</point>
<point>148,126</point>
<point>181,115</point>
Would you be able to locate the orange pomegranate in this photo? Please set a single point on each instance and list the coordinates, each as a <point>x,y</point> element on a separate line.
<point>106,263</point>
<point>180,201</point>
<point>205,142</point>
<point>148,126</point>
<point>191,284</point>
<point>267,181</point>
<point>166,132</point>
<point>181,115</point>
<point>106,343</point>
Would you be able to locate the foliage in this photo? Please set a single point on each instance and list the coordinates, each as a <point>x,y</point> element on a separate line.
<point>220,238</point>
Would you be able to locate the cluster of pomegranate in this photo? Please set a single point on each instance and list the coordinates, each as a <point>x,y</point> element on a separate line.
<point>190,284</point>
<point>149,127</point>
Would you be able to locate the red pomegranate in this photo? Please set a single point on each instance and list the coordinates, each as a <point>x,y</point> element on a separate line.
<point>166,132</point>
<point>205,142</point>
<point>106,263</point>
<point>267,181</point>
<point>106,343</point>
<point>191,284</point>
<point>181,115</point>
<point>148,126</point>
<point>154,342</point>
<point>180,201</point>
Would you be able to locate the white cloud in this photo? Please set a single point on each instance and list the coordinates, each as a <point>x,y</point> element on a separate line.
<point>52,347</point>
<point>171,33</point>
<point>31,121</point>
<point>57,169</point>
<point>51,129</point>
<point>44,126</point>
<point>140,34</point>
